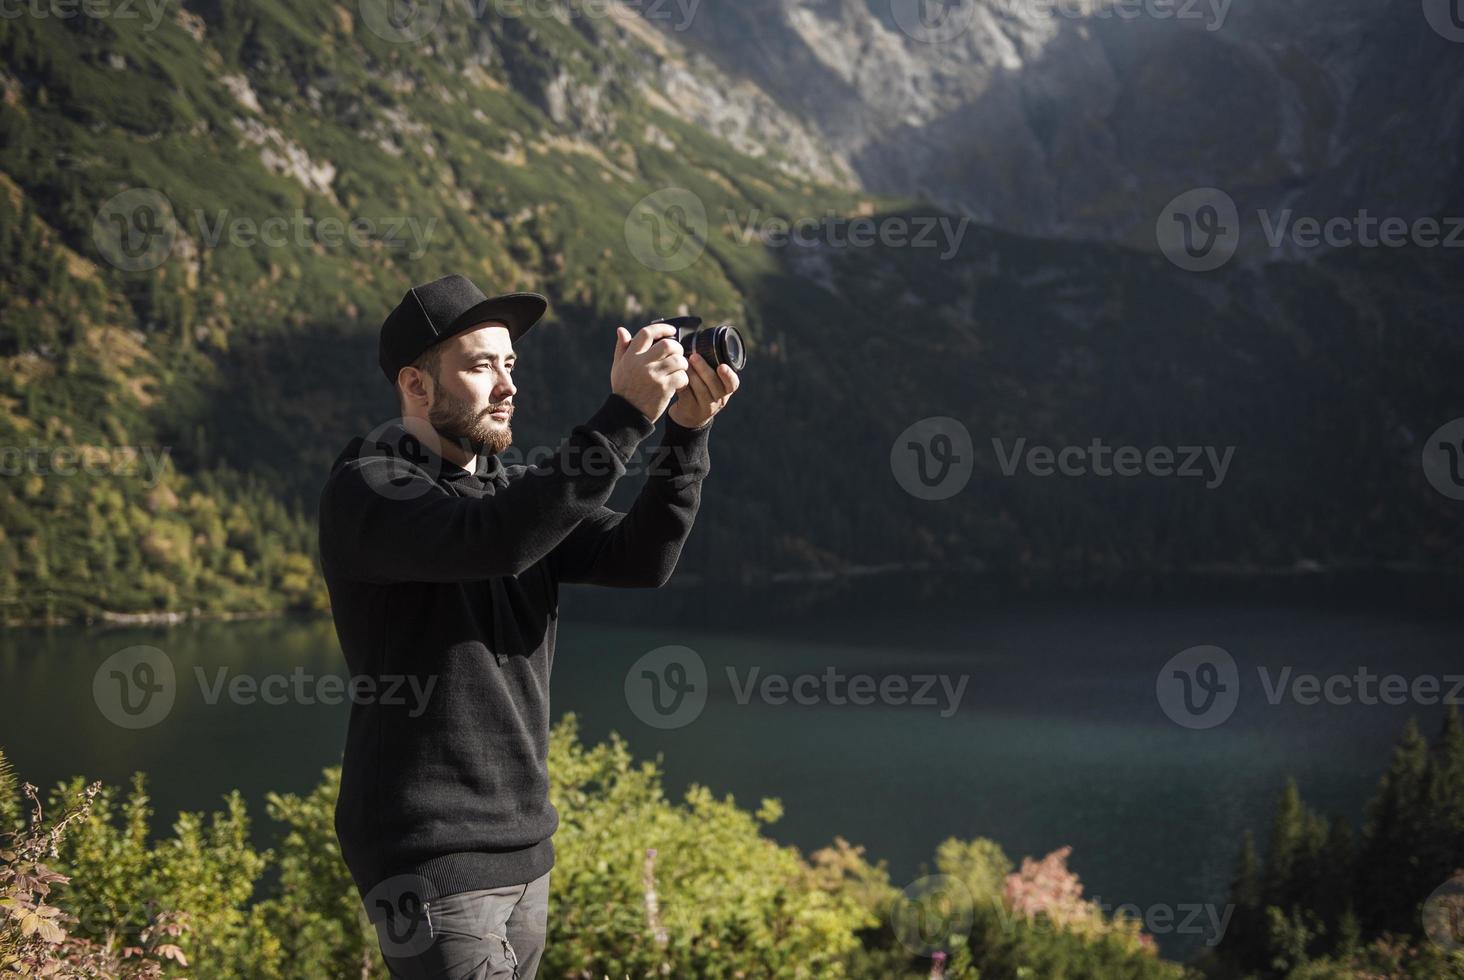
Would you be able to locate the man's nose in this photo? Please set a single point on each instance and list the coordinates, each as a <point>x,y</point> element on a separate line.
<point>506,388</point>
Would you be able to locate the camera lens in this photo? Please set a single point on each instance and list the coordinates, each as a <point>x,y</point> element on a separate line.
<point>717,345</point>
<point>729,347</point>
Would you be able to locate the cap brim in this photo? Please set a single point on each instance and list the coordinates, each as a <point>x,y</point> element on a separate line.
<point>517,311</point>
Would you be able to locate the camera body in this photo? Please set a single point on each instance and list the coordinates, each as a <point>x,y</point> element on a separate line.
<point>717,345</point>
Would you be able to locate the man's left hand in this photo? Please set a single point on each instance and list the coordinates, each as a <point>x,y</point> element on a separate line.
<point>706,393</point>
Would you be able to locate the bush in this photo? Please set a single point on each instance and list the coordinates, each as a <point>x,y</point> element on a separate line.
<point>34,936</point>
<point>643,886</point>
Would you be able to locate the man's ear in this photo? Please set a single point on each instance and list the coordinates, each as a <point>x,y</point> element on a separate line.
<point>411,385</point>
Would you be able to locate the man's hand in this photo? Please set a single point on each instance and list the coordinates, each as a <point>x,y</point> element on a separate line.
<point>705,394</point>
<point>649,368</point>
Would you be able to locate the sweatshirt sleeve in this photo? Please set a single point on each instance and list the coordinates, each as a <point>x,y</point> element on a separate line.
<point>383,520</point>
<point>640,548</point>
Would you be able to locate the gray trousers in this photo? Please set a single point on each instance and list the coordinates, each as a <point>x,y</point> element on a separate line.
<point>489,934</point>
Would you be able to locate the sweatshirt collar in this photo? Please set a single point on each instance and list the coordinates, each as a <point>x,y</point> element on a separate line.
<point>490,469</point>
<point>487,468</point>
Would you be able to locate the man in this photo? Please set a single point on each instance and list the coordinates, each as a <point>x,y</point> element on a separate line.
<point>444,567</point>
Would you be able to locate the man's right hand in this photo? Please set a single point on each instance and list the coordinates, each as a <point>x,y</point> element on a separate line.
<point>649,368</point>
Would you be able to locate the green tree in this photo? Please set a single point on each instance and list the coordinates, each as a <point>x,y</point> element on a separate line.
<point>1244,942</point>
<point>1441,848</point>
<point>1389,876</point>
<point>1295,855</point>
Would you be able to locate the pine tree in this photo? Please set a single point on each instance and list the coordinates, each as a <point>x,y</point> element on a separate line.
<point>1335,868</point>
<point>1441,844</point>
<point>1298,839</point>
<point>1246,939</point>
<point>1292,881</point>
<point>1320,893</point>
<point>1388,862</point>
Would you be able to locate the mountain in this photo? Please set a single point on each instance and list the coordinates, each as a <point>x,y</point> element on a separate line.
<point>1083,118</point>
<point>206,216</point>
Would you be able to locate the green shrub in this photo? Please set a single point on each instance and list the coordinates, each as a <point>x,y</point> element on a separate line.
<point>643,886</point>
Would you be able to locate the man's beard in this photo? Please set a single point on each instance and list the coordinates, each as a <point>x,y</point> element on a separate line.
<point>456,422</point>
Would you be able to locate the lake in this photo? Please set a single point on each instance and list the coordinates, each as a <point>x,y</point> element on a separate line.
<point>1058,736</point>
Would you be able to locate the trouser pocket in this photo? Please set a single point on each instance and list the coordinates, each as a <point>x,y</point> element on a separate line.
<point>508,954</point>
<point>468,938</point>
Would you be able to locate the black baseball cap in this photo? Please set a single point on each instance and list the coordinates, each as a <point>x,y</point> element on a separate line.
<point>434,311</point>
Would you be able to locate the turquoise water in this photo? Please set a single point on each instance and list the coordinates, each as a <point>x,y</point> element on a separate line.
<point>1058,737</point>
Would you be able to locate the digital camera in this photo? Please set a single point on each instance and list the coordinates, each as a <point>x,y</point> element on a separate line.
<point>717,345</point>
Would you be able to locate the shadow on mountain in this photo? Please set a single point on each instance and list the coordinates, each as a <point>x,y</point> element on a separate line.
<point>1325,108</point>
<point>1285,402</point>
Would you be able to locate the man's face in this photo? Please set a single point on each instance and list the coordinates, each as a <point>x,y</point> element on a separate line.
<point>471,396</point>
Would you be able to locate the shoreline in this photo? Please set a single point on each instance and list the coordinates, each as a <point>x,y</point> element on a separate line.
<point>1303,580</point>
<point>164,617</point>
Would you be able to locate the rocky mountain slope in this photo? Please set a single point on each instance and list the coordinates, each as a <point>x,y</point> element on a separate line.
<point>1082,118</point>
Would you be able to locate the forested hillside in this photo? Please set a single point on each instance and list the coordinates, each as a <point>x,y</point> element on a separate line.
<point>200,347</point>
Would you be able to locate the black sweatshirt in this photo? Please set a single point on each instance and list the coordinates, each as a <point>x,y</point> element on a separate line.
<point>444,577</point>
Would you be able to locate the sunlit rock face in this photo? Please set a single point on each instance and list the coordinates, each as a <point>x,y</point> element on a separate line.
<point>1081,118</point>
